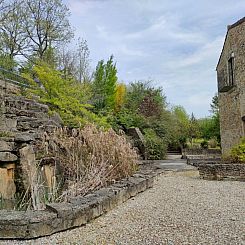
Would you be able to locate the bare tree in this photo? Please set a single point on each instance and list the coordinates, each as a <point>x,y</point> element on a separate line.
<point>75,62</point>
<point>12,38</point>
<point>46,24</point>
<point>84,62</point>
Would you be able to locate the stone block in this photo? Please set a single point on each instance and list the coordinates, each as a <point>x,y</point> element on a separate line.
<point>8,157</point>
<point>7,184</point>
<point>6,146</point>
<point>24,137</point>
<point>79,211</point>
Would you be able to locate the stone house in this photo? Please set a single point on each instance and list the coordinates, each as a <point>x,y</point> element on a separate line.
<point>231,86</point>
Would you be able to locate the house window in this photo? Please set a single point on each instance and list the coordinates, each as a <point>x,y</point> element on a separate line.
<point>231,71</point>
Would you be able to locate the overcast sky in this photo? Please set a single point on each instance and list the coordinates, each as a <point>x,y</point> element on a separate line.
<point>174,43</point>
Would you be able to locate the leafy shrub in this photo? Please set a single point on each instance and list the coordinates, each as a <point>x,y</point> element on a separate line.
<point>213,143</point>
<point>238,152</point>
<point>204,144</point>
<point>156,147</point>
<point>65,96</point>
<point>91,158</point>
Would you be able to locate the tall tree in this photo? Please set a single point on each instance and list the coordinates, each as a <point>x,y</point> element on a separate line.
<point>120,96</point>
<point>180,126</point>
<point>215,110</point>
<point>12,35</point>
<point>104,84</point>
<point>83,58</point>
<point>193,128</point>
<point>75,62</point>
<point>46,24</point>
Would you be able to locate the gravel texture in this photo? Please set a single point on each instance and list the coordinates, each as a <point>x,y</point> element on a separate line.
<point>179,209</point>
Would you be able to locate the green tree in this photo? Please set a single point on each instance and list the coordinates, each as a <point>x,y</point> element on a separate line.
<point>180,127</point>
<point>194,130</point>
<point>66,96</point>
<point>104,85</point>
<point>216,117</point>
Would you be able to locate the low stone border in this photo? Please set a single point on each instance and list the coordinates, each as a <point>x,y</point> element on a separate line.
<point>186,152</point>
<point>221,171</point>
<point>195,160</point>
<point>79,211</point>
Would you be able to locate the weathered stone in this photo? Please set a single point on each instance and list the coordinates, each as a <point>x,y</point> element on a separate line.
<point>28,165</point>
<point>50,173</point>
<point>8,157</point>
<point>11,124</point>
<point>138,140</point>
<point>24,137</point>
<point>218,171</point>
<point>62,216</point>
<point>6,146</point>
<point>57,119</point>
<point>231,86</point>
<point>7,185</point>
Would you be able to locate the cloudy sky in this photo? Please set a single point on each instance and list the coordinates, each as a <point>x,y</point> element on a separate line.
<point>174,43</point>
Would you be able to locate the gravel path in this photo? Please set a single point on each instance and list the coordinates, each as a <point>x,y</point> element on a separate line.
<point>180,209</point>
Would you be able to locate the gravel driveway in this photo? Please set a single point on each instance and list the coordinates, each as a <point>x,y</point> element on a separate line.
<point>180,209</point>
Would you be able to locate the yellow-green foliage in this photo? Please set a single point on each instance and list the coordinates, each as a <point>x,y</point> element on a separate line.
<point>66,96</point>
<point>238,151</point>
<point>120,96</point>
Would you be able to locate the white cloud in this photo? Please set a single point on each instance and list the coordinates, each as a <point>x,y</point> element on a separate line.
<point>177,43</point>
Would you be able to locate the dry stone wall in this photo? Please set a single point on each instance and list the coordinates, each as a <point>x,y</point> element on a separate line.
<point>23,123</point>
<point>221,171</point>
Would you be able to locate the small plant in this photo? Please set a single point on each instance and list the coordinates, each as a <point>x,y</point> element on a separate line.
<point>213,143</point>
<point>156,147</point>
<point>238,152</point>
<point>204,144</point>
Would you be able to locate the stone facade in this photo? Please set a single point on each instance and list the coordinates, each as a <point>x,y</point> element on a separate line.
<point>231,86</point>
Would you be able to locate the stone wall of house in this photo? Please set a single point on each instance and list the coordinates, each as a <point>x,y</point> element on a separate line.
<point>232,100</point>
<point>23,124</point>
<point>217,171</point>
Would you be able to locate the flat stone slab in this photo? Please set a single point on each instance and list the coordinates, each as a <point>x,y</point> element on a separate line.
<point>78,211</point>
<point>7,157</point>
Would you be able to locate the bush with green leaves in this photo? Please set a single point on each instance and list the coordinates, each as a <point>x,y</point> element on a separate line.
<point>238,152</point>
<point>204,144</point>
<point>156,147</point>
<point>66,96</point>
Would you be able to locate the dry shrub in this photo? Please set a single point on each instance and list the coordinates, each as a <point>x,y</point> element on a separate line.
<point>91,158</point>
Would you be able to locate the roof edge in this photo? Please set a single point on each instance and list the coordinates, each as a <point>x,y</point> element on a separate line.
<point>236,23</point>
<point>229,27</point>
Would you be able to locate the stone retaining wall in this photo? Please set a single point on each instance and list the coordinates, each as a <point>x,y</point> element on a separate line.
<point>218,171</point>
<point>23,125</point>
<point>78,211</point>
<point>186,152</point>
<point>195,160</point>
